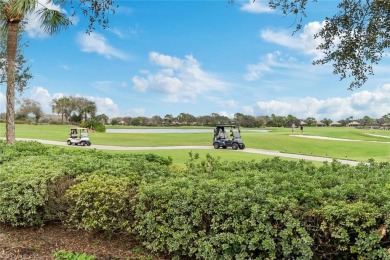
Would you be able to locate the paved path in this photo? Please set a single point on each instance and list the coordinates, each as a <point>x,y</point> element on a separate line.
<point>246,150</point>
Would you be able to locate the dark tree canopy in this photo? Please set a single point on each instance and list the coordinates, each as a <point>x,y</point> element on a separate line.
<point>354,39</point>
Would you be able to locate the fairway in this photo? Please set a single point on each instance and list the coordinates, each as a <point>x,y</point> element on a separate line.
<point>343,143</point>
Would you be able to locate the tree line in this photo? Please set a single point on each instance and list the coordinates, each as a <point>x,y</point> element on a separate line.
<point>72,110</point>
<point>185,119</point>
<point>79,110</point>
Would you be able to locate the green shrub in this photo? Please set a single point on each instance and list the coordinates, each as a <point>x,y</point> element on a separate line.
<point>66,255</point>
<point>94,124</point>
<point>101,203</point>
<point>31,191</point>
<point>223,216</point>
<point>271,210</point>
<point>210,209</point>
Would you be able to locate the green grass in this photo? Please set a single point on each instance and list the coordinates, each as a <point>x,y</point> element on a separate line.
<point>278,139</point>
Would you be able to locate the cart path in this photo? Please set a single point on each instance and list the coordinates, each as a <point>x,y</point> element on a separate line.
<point>246,150</point>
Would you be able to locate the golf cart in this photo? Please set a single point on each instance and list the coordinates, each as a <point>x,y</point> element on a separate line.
<point>78,136</point>
<point>221,138</point>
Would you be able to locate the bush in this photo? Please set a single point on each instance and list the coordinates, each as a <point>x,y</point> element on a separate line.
<point>210,209</point>
<point>66,255</point>
<point>101,203</point>
<point>31,191</point>
<point>276,210</point>
<point>93,124</point>
<point>221,216</point>
<point>34,178</point>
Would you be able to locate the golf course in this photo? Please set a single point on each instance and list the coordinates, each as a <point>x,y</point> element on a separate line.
<point>166,193</point>
<point>346,143</point>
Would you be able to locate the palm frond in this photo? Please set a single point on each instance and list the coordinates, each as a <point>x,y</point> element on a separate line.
<point>18,7</point>
<point>52,21</point>
<point>25,5</point>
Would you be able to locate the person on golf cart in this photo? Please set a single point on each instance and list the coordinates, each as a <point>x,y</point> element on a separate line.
<point>222,134</point>
<point>73,133</point>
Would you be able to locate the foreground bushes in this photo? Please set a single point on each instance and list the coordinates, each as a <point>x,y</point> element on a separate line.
<point>210,209</point>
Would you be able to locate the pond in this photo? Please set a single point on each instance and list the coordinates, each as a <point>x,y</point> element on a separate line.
<point>170,130</point>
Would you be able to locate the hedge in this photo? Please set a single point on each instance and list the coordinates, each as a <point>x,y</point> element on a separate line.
<point>208,209</point>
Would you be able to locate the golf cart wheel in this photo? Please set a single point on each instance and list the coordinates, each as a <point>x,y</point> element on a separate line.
<point>69,142</point>
<point>88,143</point>
<point>216,145</point>
<point>242,146</point>
<point>82,143</point>
<point>235,146</point>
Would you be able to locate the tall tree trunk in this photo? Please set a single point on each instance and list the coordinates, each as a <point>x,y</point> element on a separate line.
<point>12,44</point>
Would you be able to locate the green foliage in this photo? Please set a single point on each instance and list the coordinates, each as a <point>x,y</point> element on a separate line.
<point>271,209</point>
<point>101,203</point>
<point>206,209</point>
<point>94,124</point>
<point>219,215</point>
<point>34,178</point>
<point>66,255</point>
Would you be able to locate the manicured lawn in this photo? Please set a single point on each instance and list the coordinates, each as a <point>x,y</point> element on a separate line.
<point>279,139</point>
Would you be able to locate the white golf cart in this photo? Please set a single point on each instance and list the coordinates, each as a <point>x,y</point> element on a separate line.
<point>78,136</point>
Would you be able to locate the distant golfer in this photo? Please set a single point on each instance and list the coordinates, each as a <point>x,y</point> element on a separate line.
<point>301,128</point>
<point>293,128</point>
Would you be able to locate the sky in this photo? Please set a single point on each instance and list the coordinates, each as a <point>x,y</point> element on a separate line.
<point>198,57</point>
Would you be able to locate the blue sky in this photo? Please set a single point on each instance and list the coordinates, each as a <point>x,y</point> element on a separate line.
<point>198,57</point>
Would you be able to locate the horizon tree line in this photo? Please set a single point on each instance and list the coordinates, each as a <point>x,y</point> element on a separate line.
<point>185,119</point>
<point>80,109</point>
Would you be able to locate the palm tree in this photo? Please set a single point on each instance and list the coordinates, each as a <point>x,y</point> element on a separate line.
<point>12,14</point>
<point>62,106</point>
<point>89,108</point>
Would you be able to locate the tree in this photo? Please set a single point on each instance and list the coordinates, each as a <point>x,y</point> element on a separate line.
<point>185,118</point>
<point>168,119</point>
<point>52,21</point>
<point>366,121</point>
<point>290,119</point>
<point>22,69</point>
<point>87,107</point>
<point>77,107</point>
<point>327,121</point>
<point>62,106</point>
<point>30,106</point>
<point>310,121</point>
<point>155,120</point>
<point>354,39</point>
<point>103,119</point>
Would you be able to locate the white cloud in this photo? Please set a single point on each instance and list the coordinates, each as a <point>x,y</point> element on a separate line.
<point>359,104</point>
<point>179,80</point>
<point>44,98</point>
<point>268,64</point>
<point>140,84</point>
<point>33,26</point>
<point>258,6</point>
<point>105,106</point>
<point>304,42</point>
<point>165,60</point>
<point>95,42</point>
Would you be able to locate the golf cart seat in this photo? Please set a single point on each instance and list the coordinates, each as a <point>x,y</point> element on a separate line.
<point>222,135</point>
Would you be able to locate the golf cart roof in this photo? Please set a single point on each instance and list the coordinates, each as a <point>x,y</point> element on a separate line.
<point>231,125</point>
<point>79,128</point>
